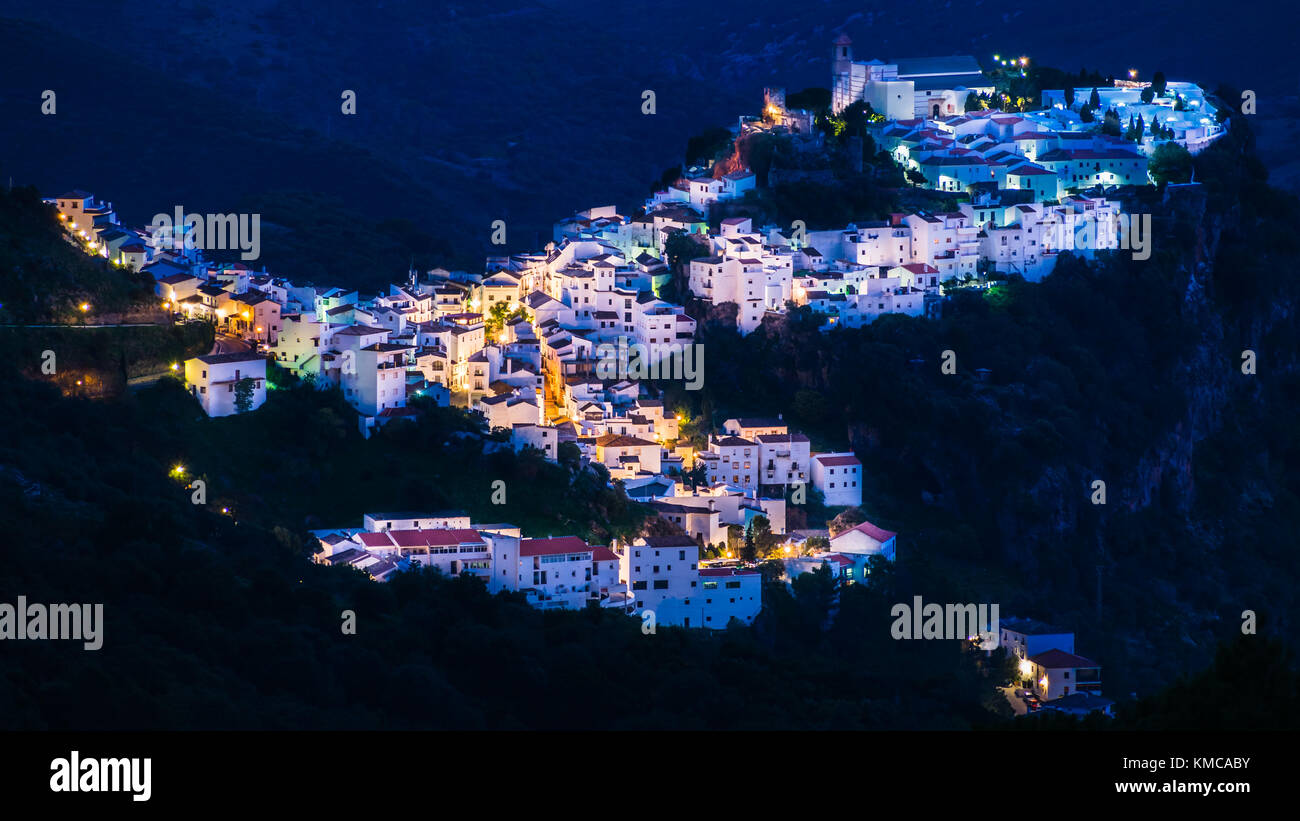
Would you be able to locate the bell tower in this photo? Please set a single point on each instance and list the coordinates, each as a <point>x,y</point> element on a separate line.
<point>841,55</point>
<point>841,73</point>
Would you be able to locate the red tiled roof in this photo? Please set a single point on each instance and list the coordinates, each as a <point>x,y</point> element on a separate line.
<point>836,461</point>
<point>878,533</point>
<point>452,535</point>
<point>375,539</point>
<point>550,547</point>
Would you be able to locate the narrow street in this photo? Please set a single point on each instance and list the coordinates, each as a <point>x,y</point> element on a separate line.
<point>229,344</point>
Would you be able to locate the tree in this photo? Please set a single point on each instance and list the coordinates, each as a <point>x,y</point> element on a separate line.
<point>816,544</point>
<point>1094,100</point>
<point>569,455</point>
<point>856,118</point>
<point>1159,84</point>
<point>773,571</point>
<point>1085,114</point>
<point>697,475</point>
<point>1110,123</point>
<point>496,319</point>
<point>1069,95</point>
<point>1170,163</point>
<point>1148,94</point>
<point>749,550</point>
<point>670,176</point>
<point>914,177</point>
<point>810,407</point>
<point>681,248</point>
<point>761,530</point>
<point>812,99</point>
<point>735,538</point>
<point>244,395</point>
<point>707,146</point>
<point>848,519</point>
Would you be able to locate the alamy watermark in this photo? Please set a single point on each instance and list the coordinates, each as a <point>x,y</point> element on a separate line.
<point>952,621</point>
<point>77,774</point>
<point>658,360</point>
<point>1088,232</point>
<point>53,622</point>
<point>214,232</point>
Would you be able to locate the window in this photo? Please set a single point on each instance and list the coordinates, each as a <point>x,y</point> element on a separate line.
<point>661,584</point>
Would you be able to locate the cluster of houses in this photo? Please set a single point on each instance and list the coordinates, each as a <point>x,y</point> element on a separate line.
<point>663,574</point>
<point>659,574</point>
<point>995,151</point>
<point>1049,154</point>
<point>747,470</point>
<point>93,223</point>
<point>1028,176</point>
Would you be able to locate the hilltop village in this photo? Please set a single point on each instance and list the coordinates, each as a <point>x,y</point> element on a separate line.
<point>560,345</point>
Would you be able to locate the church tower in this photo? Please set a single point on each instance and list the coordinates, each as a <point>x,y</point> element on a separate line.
<point>841,73</point>
<point>841,55</point>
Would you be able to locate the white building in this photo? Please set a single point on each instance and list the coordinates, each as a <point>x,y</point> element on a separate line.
<point>906,87</point>
<point>662,574</point>
<point>212,380</point>
<point>864,541</point>
<point>553,573</point>
<point>839,478</point>
<point>729,593</point>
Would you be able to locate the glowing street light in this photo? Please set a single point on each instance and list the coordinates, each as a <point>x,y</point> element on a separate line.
<point>85,306</point>
<point>179,470</point>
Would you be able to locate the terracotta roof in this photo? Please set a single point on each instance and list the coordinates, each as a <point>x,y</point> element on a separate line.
<point>375,539</point>
<point>836,461</point>
<point>878,533</point>
<point>550,547</point>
